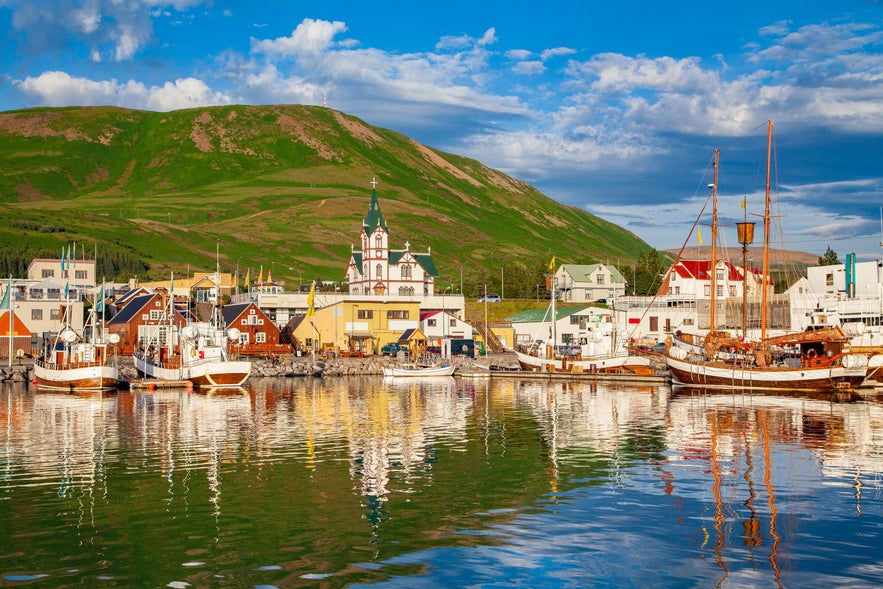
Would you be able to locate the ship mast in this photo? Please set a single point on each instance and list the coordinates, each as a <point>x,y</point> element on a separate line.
<point>766,237</point>
<point>713,263</point>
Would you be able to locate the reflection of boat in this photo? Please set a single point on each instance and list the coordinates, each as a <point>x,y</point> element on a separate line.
<point>824,361</point>
<point>74,362</point>
<point>415,370</point>
<point>610,365</point>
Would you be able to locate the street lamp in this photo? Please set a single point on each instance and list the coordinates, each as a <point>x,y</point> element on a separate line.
<point>299,277</point>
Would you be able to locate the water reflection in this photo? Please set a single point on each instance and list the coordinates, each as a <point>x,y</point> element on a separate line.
<point>289,482</point>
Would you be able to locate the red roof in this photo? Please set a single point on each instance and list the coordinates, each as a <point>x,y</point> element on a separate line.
<point>700,270</point>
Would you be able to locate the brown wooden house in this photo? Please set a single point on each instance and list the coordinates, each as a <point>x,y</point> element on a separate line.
<point>144,318</point>
<point>258,335</point>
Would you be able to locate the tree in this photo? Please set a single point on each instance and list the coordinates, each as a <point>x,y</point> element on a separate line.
<point>829,259</point>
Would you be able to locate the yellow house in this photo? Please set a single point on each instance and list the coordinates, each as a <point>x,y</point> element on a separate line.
<point>360,326</point>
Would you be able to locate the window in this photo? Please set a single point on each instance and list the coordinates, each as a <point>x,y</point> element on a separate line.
<point>80,274</point>
<point>453,322</point>
<point>35,294</point>
<point>430,322</point>
<point>53,293</point>
<point>720,275</point>
<point>45,273</point>
<point>378,271</point>
<point>37,314</point>
<point>599,279</point>
<point>829,279</point>
<point>654,323</point>
<point>708,290</point>
<point>365,314</point>
<point>406,272</point>
<point>260,337</point>
<point>720,290</point>
<point>397,314</point>
<point>732,290</point>
<point>156,314</point>
<point>55,314</point>
<point>378,242</point>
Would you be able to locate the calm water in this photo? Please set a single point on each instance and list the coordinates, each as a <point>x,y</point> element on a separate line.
<point>440,483</point>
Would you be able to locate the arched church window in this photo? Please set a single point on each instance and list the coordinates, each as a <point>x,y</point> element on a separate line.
<point>379,269</point>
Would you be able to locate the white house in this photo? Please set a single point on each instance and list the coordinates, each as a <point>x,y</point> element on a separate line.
<point>378,270</point>
<point>591,328</point>
<point>440,325</point>
<point>587,283</point>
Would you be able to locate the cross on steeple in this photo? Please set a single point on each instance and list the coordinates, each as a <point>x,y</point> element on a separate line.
<point>373,183</point>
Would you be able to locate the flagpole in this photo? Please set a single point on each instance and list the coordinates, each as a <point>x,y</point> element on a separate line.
<point>11,325</point>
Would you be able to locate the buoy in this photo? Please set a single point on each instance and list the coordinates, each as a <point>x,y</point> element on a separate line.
<point>151,387</point>
<point>189,385</point>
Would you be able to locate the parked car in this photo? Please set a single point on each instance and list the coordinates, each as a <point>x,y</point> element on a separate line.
<point>391,349</point>
<point>491,298</point>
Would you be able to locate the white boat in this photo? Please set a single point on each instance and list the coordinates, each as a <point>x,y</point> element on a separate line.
<point>818,360</point>
<point>73,361</point>
<point>415,370</point>
<point>199,357</point>
<point>197,354</point>
<point>633,365</point>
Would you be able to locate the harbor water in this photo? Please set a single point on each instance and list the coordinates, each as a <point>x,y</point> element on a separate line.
<point>447,482</point>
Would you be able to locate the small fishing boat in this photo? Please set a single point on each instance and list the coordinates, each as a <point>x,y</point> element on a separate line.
<point>415,370</point>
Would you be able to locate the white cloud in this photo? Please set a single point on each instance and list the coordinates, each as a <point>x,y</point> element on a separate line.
<point>61,89</point>
<point>529,68</point>
<point>556,52</point>
<point>311,37</point>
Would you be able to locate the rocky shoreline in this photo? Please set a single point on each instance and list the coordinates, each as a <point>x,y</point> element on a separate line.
<point>292,366</point>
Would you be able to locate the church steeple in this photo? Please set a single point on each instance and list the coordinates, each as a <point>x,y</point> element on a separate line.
<point>374,218</point>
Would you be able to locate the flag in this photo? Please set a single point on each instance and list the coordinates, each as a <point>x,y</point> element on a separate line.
<point>311,310</point>
<point>6,302</point>
<point>270,275</point>
<point>99,300</point>
<point>247,277</point>
<point>261,275</point>
<point>699,235</point>
<point>743,202</point>
<point>552,264</point>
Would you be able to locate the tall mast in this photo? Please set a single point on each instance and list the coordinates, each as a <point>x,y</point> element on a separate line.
<point>766,235</point>
<point>713,262</point>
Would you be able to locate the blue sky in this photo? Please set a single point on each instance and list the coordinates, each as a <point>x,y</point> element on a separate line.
<point>613,107</point>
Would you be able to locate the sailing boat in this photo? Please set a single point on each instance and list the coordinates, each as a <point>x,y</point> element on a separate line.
<point>614,364</point>
<point>824,361</point>
<point>197,354</point>
<point>76,362</point>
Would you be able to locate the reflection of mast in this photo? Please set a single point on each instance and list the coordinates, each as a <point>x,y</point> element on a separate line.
<point>771,500</point>
<point>750,527</point>
<point>719,516</point>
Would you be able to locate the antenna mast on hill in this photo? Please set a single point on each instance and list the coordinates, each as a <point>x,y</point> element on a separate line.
<point>324,99</point>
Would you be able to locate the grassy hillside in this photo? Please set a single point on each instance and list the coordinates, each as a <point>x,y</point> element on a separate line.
<point>274,186</point>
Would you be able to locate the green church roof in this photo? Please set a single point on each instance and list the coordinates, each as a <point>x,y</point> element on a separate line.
<point>374,218</point>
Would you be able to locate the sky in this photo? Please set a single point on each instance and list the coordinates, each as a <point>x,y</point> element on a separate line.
<point>612,107</point>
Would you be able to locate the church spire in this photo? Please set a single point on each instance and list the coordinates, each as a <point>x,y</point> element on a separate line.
<point>374,218</point>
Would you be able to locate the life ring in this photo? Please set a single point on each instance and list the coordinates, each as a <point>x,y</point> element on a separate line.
<point>193,352</point>
<point>811,354</point>
<point>19,353</point>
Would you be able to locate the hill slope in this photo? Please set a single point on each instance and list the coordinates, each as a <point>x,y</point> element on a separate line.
<point>283,187</point>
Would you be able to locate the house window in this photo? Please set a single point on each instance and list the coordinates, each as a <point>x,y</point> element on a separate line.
<point>53,293</point>
<point>708,290</point>
<point>720,290</point>
<point>599,279</point>
<point>155,314</point>
<point>397,314</point>
<point>406,272</point>
<point>45,273</point>
<point>35,294</point>
<point>80,275</point>
<point>720,275</point>
<point>260,337</point>
<point>829,279</point>
<point>37,314</point>
<point>452,322</point>
<point>732,290</point>
<point>54,314</point>
<point>430,322</point>
<point>379,271</point>
<point>366,314</point>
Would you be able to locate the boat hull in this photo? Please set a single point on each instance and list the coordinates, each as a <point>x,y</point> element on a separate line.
<point>720,375</point>
<point>619,364</point>
<point>76,377</point>
<point>208,373</point>
<point>397,371</point>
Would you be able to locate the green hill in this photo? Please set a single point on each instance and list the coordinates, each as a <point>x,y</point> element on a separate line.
<point>284,187</point>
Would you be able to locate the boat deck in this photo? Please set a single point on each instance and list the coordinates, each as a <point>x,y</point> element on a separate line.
<point>154,383</point>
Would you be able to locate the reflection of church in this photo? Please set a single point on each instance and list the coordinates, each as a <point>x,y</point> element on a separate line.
<point>379,270</point>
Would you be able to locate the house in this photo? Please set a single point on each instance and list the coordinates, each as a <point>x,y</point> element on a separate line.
<point>380,271</point>
<point>258,335</point>
<point>80,272</point>
<point>356,325</point>
<point>21,344</point>
<point>144,319</point>
<point>441,325</point>
<point>203,287</point>
<point>573,326</point>
<point>579,283</point>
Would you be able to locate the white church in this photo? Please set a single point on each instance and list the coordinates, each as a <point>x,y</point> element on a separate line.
<point>378,270</point>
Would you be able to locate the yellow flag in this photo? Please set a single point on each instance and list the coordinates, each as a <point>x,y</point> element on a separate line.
<point>261,275</point>
<point>310,302</point>
<point>552,264</point>
<point>743,201</point>
<point>699,235</point>
<point>247,277</point>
